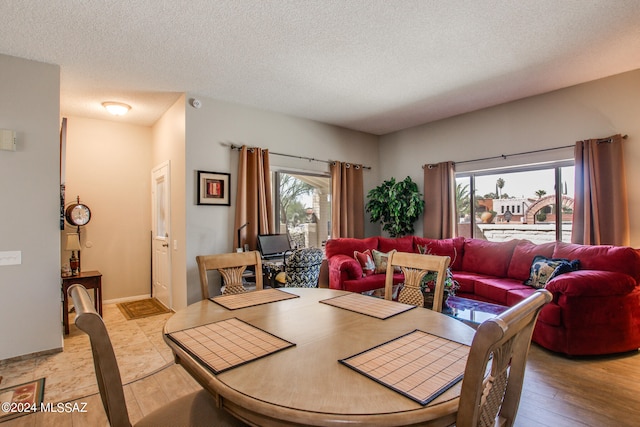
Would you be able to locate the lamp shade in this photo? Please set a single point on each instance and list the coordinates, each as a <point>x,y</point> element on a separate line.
<point>73,242</point>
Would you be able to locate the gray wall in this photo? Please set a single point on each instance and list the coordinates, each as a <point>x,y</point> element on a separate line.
<point>29,214</point>
<point>210,228</point>
<point>590,110</point>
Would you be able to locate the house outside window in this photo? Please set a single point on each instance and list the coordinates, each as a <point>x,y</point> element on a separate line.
<point>532,202</point>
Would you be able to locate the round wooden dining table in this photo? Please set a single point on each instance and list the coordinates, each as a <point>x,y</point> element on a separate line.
<point>306,384</point>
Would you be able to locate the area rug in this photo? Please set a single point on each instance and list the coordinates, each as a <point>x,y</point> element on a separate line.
<point>17,398</point>
<point>142,308</point>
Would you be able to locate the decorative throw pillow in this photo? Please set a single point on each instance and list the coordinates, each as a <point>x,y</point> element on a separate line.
<point>366,262</point>
<point>380,260</point>
<point>566,267</point>
<point>544,269</point>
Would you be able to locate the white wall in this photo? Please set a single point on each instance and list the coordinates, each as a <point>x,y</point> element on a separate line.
<point>30,208</point>
<point>109,167</point>
<point>169,145</point>
<point>591,110</point>
<point>210,228</point>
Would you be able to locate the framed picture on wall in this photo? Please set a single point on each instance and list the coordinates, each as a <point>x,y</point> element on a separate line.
<point>213,188</point>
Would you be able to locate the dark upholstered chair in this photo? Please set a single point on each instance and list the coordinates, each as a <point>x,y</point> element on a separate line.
<point>302,268</point>
<point>492,398</point>
<point>195,409</point>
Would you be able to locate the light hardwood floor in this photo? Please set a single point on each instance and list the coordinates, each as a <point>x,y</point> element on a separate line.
<point>558,392</point>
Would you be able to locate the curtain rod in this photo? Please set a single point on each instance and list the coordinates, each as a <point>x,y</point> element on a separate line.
<point>311,159</point>
<point>504,156</point>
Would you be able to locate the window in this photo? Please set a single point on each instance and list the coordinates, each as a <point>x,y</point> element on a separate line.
<point>302,204</point>
<point>529,202</point>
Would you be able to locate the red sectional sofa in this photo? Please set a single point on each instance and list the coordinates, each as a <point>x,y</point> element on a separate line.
<point>595,310</point>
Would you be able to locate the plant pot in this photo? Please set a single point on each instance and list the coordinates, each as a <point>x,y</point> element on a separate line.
<point>428,301</point>
<point>486,217</point>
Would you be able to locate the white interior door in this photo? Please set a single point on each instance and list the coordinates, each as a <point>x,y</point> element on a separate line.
<point>161,232</point>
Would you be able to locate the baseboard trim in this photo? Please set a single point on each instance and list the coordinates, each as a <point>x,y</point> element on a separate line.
<point>31,355</point>
<point>126,299</point>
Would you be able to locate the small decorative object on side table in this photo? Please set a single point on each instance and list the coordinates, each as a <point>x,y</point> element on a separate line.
<point>78,215</point>
<point>88,279</point>
<point>73,245</point>
<point>270,271</point>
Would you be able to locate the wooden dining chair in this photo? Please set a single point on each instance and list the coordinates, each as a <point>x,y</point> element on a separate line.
<point>415,267</point>
<point>231,267</point>
<point>492,397</point>
<point>195,409</point>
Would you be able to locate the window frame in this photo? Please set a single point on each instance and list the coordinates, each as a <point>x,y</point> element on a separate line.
<point>555,165</point>
<point>276,176</point>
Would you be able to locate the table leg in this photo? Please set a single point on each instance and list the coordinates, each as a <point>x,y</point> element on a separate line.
<point>99,300</point>
<point>65,310</point>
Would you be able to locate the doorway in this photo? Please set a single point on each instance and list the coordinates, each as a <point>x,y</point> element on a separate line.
<point>161,232</point>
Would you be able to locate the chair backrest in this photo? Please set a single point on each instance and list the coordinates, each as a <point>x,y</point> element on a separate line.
<point>104,359</point>
<point>303,267</point>
<point>504,341</point>
<point>231,266</point>
<point>415,267</point>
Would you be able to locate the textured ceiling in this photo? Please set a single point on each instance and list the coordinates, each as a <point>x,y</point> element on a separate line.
<point>371,65</point>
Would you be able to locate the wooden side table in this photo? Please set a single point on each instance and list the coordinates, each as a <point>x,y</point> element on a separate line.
<point>88,279</point>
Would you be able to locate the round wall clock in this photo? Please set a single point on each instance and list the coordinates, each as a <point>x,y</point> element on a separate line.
<point>77,214</point>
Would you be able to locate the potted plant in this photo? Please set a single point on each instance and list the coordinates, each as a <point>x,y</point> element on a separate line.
<point>396,205</point>
<point>428,284</point>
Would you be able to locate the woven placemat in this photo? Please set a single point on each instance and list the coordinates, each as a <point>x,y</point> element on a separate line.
<point>227,343</point>
<point>249,299</point>
<point>371,306</point>
<point>418,365</point>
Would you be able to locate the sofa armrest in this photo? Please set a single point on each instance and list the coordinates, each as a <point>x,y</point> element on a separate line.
<point>592,283</point>
<point>341,268</point>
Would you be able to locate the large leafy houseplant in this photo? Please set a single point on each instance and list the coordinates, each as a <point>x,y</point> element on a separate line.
<point>396,205</point>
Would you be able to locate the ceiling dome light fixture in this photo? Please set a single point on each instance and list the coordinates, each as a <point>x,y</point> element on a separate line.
<point>116,108</point>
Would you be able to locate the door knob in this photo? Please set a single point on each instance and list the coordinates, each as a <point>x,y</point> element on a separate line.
<point>165,245</point>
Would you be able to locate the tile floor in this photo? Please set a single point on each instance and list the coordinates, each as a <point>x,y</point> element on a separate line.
<point>138,344</point>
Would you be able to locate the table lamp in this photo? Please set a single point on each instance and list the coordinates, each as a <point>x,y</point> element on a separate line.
<point>73,245</point>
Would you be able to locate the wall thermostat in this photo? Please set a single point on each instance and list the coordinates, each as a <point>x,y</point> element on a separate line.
<point>195,103</point>
<point>7,140</point>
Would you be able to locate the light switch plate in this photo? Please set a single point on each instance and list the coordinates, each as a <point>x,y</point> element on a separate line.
<point>10,257</point>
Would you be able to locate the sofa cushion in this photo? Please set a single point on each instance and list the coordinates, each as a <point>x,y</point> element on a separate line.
<point>347,246</point>
<point>523,255</point>
<point>466,281</point>
<point>602,257</point>
<point>490,258</point>
<point>369,283</point>
<point>550,314</point>
<point>400,244</point>
<point>365,259</point>
<point>544,269</point>
<point>496,289</point>
<point>514,296</point>
<point>444,247</point>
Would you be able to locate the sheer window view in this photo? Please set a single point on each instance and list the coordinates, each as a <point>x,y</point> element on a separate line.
<point>303,208</point>
<point>517,205</point>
